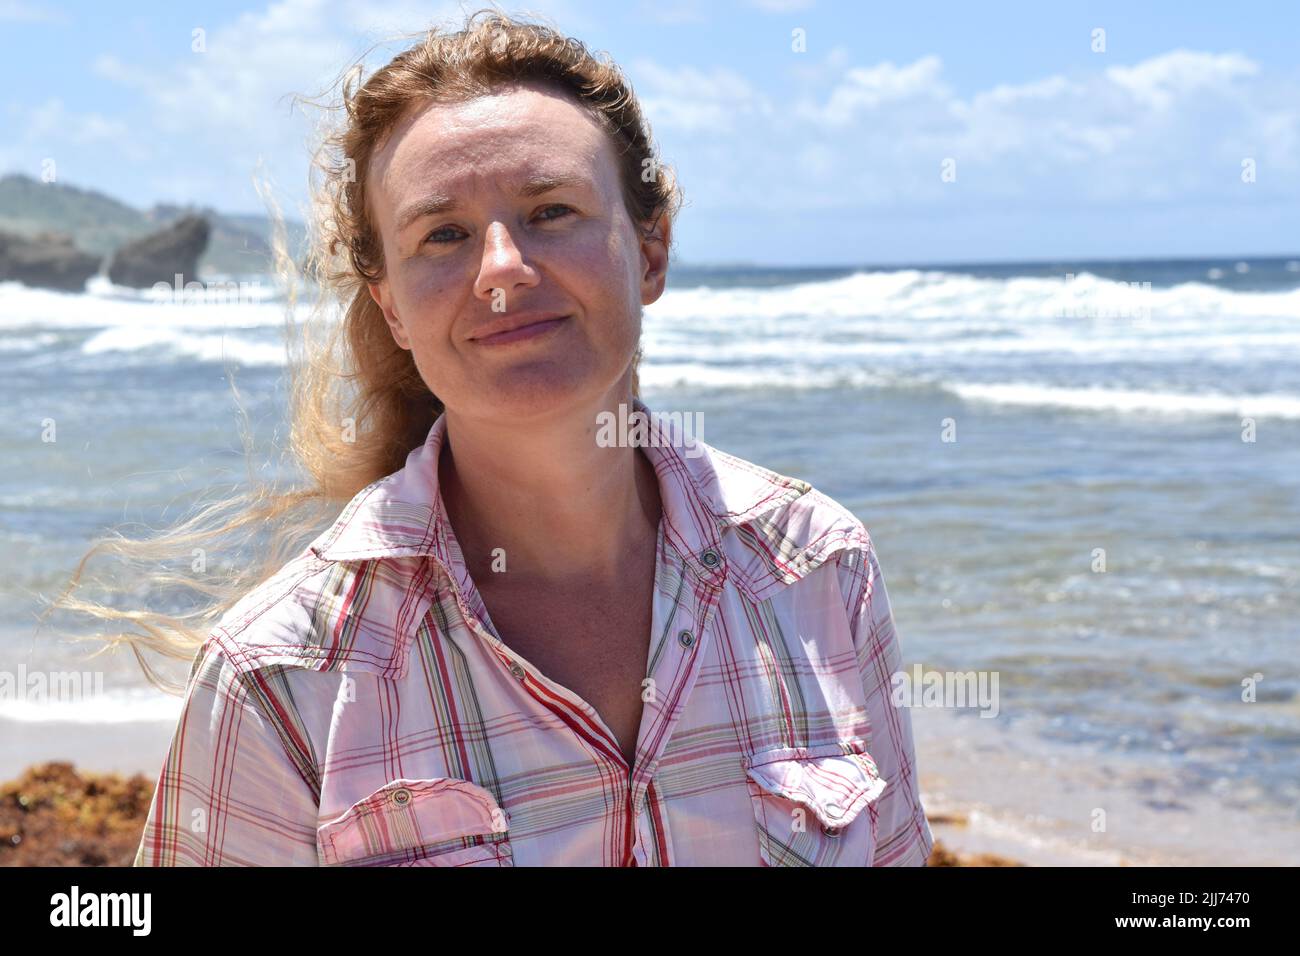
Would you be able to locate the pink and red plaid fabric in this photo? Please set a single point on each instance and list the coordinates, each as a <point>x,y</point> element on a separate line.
<point>358,708</point>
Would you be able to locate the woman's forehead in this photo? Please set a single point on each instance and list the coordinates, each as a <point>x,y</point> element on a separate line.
<point>506,140</point>
<point>508,121</point>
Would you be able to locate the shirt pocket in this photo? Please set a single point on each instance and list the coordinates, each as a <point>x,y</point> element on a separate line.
<point>441,821</point>
<point>809,804</point>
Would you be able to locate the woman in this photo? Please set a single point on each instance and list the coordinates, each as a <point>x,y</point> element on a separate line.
<point>520,643</point>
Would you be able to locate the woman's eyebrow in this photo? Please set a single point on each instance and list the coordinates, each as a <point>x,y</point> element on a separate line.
<point>437,203</point>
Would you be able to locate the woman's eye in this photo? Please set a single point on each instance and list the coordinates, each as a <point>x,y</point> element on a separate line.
<point>563,211</point>
<point>430,236</point>
<point>556,206</point>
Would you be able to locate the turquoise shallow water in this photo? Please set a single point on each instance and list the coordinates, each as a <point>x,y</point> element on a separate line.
<point>1093,413</point>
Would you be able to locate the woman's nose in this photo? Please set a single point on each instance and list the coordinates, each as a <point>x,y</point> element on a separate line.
<point>503,266</point>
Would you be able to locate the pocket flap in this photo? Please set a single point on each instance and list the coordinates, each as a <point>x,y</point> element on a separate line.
<point>406,814</point>
<point>834,780</point>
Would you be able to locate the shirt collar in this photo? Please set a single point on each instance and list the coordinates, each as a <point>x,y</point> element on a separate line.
<point>703,491</point>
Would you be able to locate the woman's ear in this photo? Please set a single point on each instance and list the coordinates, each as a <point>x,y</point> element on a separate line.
<point>379,292</point>
<point>654,258</point>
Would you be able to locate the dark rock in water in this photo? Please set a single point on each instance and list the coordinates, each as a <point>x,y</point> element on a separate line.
<point>48,261</point>
<point>159,256</point>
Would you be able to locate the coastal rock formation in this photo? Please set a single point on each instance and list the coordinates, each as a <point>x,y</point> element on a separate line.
<point>160,256</point>
<point>48,260</point>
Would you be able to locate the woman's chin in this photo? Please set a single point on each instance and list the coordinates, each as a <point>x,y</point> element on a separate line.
<point>541,392</point>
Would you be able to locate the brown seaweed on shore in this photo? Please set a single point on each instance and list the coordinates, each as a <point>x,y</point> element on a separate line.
<point>942,856</point>
<point>55,815</point>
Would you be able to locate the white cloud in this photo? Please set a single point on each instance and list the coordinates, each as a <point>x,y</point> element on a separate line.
<point>1174,127</point>
<point>52,131</point>
<point>810,70</point>
<point>689,99</point>
<point>1161,80</point>
<point>226,111</point>
<point>230,107</point>
<point>865,89</point>
<point>76,142</point>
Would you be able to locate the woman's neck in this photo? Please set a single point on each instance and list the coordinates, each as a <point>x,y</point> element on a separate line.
<point>562,509</point>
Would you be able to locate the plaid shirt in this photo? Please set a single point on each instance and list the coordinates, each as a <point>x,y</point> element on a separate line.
<point>358,708</point>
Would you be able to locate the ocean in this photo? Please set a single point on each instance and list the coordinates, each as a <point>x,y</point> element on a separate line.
<point>1081,477</point>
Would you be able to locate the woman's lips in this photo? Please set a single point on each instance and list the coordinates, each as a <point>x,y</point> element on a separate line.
<point>526,332</point>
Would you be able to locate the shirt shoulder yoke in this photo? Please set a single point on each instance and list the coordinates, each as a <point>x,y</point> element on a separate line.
<point>305,616</point>
<point>784,527</point>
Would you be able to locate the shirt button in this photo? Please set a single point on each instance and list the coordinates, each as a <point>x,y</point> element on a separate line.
<point>401,797</point>
<point>686,639</point>
<point>517,670</point>
<point>710,558</point>
<point>836,811</point>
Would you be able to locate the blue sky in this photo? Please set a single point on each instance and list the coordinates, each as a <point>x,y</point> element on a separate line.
<point>832,155</point>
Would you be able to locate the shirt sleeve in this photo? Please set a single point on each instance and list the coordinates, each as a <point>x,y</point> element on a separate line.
<point>231,791</point>
<point>903,834</point>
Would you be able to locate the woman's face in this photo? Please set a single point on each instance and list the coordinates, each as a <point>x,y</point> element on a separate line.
<point>503,209</point>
